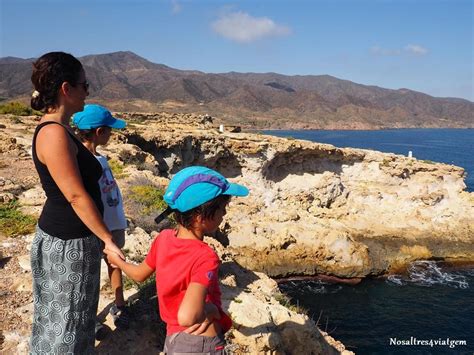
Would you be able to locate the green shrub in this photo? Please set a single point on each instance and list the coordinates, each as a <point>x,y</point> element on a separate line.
<point>117,169</point>
<point>16,120</point>
<point>286,301</point>
<point>145,166</point>
<point>136,258</point>
<point>128,283</point>
<point>139,160</point>
<point>150,197</point>
<point>17,108</point>
<point>13,222</point>
<point>385,162</point>
<point>143,201</point>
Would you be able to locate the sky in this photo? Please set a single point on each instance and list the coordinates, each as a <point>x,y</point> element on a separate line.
<point>422,45</point>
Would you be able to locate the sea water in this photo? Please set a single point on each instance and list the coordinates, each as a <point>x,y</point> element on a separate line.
<point>429,310</point>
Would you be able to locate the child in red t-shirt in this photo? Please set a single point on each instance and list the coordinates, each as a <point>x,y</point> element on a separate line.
<point>186,268</point>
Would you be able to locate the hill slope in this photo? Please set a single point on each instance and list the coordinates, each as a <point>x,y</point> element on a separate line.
<point>126,81</point>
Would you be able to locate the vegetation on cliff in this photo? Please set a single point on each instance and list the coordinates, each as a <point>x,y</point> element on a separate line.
<point>17,108</point>
<point>13,222</point>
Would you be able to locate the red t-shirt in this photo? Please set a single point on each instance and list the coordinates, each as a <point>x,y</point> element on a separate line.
<point>178,262</point>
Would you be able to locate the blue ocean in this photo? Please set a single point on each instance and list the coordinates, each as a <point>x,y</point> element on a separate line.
<point>429,310</point>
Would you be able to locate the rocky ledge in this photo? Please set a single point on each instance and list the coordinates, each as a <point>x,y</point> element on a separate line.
<point>263,323</point>
<point>314,209</point>
<point>264,320</point>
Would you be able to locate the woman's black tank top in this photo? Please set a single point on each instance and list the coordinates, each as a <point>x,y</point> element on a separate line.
<point>58,217</point>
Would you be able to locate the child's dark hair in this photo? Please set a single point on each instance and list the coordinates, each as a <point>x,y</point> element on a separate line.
<point>49,72</point>
<point>206,210</point>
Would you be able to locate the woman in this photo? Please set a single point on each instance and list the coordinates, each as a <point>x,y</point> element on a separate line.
<point>66,251</point>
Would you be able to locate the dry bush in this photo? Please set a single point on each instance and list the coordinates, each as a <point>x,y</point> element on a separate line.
<point>143,201</point>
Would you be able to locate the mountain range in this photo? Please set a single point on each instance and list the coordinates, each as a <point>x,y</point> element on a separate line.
<point>125,81</point>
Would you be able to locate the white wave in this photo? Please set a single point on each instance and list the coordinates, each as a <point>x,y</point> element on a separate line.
<point>336,289</point>
<point>316,286</point>
<point>429,273</point>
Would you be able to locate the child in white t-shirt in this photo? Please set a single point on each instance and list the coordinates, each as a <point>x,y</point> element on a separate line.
<point>94,126</point>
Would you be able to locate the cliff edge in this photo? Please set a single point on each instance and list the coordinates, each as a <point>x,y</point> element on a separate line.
<point>264,320</point>
<point>315,208</point>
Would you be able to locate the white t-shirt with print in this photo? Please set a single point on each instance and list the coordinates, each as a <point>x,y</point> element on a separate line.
<point>114,216</point>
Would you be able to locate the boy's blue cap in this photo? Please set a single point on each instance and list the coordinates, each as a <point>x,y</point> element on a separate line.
<point>196,185</point>
<point>95,116</point>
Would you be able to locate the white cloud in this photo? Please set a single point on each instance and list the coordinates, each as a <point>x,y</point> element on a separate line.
<point>416,49</point>
<point>413,49</point>
<point>176,7</point>
<point>241,27</point>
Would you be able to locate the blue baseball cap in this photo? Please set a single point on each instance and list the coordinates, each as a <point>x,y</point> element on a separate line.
<point>95,116</point>
<point>196,185</point>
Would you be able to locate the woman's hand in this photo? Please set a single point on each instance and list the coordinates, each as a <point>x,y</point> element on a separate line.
<point>113,258</point>
<point>212,313</point>
<point>110,246</point>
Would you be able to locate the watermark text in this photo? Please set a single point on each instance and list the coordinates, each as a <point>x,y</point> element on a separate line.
<point>451,343</point>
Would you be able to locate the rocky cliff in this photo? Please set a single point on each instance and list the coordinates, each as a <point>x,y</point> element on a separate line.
<point>264,320</point>
<point>314,209</point>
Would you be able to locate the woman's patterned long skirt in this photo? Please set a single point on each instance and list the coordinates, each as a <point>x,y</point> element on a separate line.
<point>66,278</point>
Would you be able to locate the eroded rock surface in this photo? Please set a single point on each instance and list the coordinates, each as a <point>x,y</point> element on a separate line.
<point>262,324</point>
<point>315,208</point>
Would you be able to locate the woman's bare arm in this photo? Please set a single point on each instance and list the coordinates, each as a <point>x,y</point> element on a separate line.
<point>55,150</point>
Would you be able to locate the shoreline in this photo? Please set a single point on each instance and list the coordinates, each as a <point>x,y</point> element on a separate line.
<point>317,210</point>
<point>448,265</point>
<point>326,278</point>
<point>254,130</point>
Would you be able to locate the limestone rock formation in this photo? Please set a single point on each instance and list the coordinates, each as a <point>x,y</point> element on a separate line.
<point>313,209</point>
<point>261,323</point>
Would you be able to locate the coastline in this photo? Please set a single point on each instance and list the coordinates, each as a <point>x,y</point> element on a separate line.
<point>357,130</point>
<point>325,278</point>
<point>269,324</point>
<point>448,265</point>
<point>256,130</point>
<point>342,214</point>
